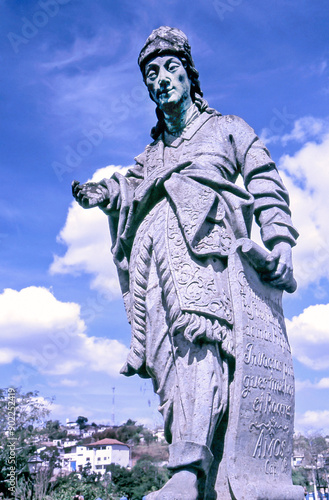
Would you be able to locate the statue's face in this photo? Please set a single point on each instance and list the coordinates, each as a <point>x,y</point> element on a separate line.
<point>167,82</point>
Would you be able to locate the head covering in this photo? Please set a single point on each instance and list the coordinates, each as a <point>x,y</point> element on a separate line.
<point>165,40</point>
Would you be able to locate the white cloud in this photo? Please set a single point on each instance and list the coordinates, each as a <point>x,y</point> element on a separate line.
<point>313,421</point>
<point>87,237</point>
<point>68,382</point>
<point>306,176</point>
<point>306,128</point>
<point>49,335</point>
<point>309,337</point>
<point>62,412</point>
<point>307,384</point>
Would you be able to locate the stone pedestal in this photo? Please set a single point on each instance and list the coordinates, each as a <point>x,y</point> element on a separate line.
<point>254,462</point>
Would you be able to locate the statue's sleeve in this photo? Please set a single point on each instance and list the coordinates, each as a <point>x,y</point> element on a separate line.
<point>121,188</point>
<point>262,180</point>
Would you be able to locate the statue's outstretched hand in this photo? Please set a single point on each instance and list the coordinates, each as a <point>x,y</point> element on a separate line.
<point>90,195</point>
<point>279,266</point>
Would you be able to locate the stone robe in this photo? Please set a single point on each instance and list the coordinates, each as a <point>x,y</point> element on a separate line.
<point>174,218</point>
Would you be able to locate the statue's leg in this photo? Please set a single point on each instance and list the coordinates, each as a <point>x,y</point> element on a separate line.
<point>197,376</point>
<point>192,382</point>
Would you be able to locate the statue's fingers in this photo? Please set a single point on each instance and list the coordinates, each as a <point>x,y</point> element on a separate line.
<point>76,187</point>
<point>280,270</point>
<point>85,202</point>
<point>284,279</point>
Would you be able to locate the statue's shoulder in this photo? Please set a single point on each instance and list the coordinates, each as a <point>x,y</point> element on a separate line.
<point>236,127</point>
<point>142,158</point>
<point>233,121</point>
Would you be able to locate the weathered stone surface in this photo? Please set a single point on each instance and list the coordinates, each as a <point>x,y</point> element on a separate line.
<point>204,302</point>
<point>259,439</point>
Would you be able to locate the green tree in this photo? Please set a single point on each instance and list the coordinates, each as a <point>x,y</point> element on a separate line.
<point>147,477</point>
<point>301,477</point>
<point>65,487</point>
<point>20,415</point>
<point>314,449</point>
<point>122,479</point>
<point>148,436</point>
<point>82,422</point>
<point>140,480</point>
<point>130,432</point>
<point>54,431</point>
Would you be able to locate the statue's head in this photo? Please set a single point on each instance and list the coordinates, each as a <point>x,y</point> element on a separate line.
<point>165,41</point>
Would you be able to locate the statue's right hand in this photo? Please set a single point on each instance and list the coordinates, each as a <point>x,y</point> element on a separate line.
<point>90,194</point>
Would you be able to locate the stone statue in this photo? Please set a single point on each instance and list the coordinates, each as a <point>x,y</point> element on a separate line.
<point>203,300</point>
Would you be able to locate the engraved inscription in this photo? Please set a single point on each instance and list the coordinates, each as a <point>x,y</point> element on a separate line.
<point>261,359</point>
<point>280,386</point>
<point>265,404</point>
<point>268,383</point>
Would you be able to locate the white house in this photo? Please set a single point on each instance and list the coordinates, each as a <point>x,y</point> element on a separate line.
<point>88,432</point>
<point>70,424</point>
<point>98,455</point>
<point>159,434</point>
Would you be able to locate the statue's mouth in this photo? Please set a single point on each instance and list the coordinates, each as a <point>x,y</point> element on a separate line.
<point>164,92</point>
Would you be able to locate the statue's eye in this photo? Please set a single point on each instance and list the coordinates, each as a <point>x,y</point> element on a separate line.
<point>151,74</point>
<point>172,67</point>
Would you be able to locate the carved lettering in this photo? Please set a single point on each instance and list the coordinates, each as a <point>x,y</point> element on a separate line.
<point>261,359</point>
<point>265,447</point>
<point>266,405</point>
<point>280,386</point>
<point>271,332</point>
<point>270,468</point>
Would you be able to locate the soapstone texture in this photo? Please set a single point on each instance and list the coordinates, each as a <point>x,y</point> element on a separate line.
<point>204,302</point>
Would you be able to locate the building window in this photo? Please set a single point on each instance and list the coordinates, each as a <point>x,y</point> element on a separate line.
<point>98,459</point>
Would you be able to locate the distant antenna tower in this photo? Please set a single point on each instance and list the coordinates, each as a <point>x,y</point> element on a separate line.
<point>113,406</point>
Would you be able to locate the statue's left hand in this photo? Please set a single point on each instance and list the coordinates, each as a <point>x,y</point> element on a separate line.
<point>279,265</point>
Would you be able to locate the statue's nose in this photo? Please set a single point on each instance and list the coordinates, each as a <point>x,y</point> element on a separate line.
<point>163,78</point>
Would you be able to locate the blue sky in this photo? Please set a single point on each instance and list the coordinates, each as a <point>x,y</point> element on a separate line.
<point>74,106</point>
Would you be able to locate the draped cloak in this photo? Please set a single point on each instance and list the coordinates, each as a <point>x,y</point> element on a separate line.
<point>173,219</point>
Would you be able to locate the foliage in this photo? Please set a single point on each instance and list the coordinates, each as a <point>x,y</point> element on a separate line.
<point>20,415</point>
<point>300,476</point>
<point>315,466</point>
<point>311,447</point>
<point>140,480</point>
<point>82,422</point>
<point>54,431</point>
<point>91,486</point>
<point>128,432</point>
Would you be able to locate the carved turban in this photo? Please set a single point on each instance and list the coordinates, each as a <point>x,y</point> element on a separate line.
<point>165,40</point>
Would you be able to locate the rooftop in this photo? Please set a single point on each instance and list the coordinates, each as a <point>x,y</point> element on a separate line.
<point>107,441</point>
